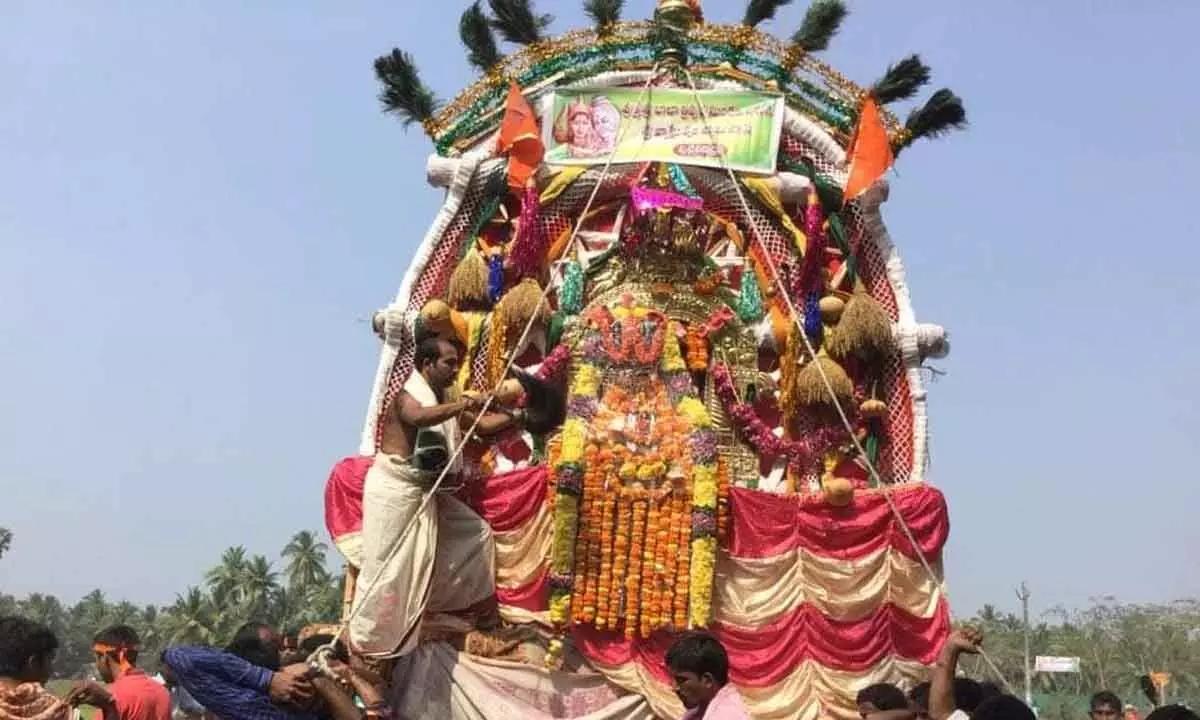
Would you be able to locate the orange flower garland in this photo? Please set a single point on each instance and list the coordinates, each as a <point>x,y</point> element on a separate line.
<point>639,494</point>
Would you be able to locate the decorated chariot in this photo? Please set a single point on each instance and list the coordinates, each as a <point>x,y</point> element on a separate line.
<point>678,223</point>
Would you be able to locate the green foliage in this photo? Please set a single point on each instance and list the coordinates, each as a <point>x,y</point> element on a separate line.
<point>604,13</point>
<point>403,91</point>
<point>516,21</point>
<point>759,11</point>
<point>821,23</point>
<point>6,537</point>
<point>1116,643</point>
<point>476,34</point>
<point>240,588</point>
<point>941,114</point>
<point>902,80</point>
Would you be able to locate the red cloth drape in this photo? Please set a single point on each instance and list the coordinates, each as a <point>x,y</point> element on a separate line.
<point>344,495</point>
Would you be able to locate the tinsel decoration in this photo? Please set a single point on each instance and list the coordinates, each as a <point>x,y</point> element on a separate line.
<point>477,36</point>
<point>495,263</point>
<point>403,92</point>
<point>871,448</point>
<point>528,251</point>
<point>865,330</point>
<point>680,180</point>
<point>810,387</point>
<point>570,293</point>
<point>821,23</point>
<point>814,251</point>
<point>759,11</point>
<point>812,316</point>
<point>789,372</point>
<point>749,301</point>
<point>516,21</point>
<point>522,302</point>
<point>555,328</point>
<point>604,14</point>
<point>942,113</point>
<point>811,282</point>
<point>468,288</point>
<point>902,80</point>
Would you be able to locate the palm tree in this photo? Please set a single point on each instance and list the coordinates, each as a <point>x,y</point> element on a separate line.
<point>259,585</point>
<point>190,619</point>
<point>45,609</point>
<point>305,557</point>
<point>91,613</point>
<point>225,580</point>
<point>125,613</point>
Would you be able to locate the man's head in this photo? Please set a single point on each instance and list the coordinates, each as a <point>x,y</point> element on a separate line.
<point>437,360</point>
<point>257,644</point>
<point>968,694</point>
<point>918,700</point>
<point>26,650</point>
<point>1105,706</point>
<point>168,675</point>
<point>880,696</point>
<point>699,666</point>
<point>116,650</point>
<point>1172,712</point>
<point>1003,707</point>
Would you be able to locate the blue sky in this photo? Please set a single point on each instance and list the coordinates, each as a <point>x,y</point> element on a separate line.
<point>201,204</point>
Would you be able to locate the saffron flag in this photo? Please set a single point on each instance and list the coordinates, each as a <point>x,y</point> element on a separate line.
<point>870,152</point>
<point>519,138</point>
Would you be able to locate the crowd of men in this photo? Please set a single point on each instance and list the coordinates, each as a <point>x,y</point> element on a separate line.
<point>256,678</point>
<point>250,679</point>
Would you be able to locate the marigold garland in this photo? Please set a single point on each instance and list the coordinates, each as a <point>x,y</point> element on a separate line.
<point>634,548</point>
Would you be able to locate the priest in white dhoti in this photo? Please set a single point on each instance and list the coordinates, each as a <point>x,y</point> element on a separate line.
<point>444,563</point>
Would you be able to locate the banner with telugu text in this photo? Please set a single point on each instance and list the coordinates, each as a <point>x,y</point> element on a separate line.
<point>587,126</point>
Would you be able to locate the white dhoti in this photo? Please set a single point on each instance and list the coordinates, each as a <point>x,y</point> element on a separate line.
<point>445,563</point>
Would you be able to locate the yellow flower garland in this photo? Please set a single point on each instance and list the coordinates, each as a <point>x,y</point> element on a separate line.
<point>574,457</point>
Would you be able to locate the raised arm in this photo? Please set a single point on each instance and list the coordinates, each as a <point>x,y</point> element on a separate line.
<point>493,423</point>
<point>410,412</point>
<point>941,681</point>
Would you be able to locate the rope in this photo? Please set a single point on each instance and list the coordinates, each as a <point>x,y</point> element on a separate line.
<point>470,433</point>
<point>795,315</point>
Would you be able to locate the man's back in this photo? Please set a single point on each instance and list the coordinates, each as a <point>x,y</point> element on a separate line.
<point>138,697</point>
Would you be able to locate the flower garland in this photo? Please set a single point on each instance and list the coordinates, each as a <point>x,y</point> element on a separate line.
<point>802,453</point>
<point>554,364</point>
<point>634,548</point>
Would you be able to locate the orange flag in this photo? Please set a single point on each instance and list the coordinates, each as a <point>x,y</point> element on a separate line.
<point>519,138</point>
<point>870,152</point>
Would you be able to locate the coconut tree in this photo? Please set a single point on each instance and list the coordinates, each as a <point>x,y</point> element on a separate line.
<point>92,612</point>
<point>305,556</point>
<point>225,580</point>
<point>45,609</point>
<point>259,584</point>
<point>190,619</point>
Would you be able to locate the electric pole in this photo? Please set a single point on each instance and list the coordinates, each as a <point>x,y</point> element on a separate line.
<point>1023,596</point>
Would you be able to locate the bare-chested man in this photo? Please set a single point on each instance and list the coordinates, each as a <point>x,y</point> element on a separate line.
<point>445,562</point>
